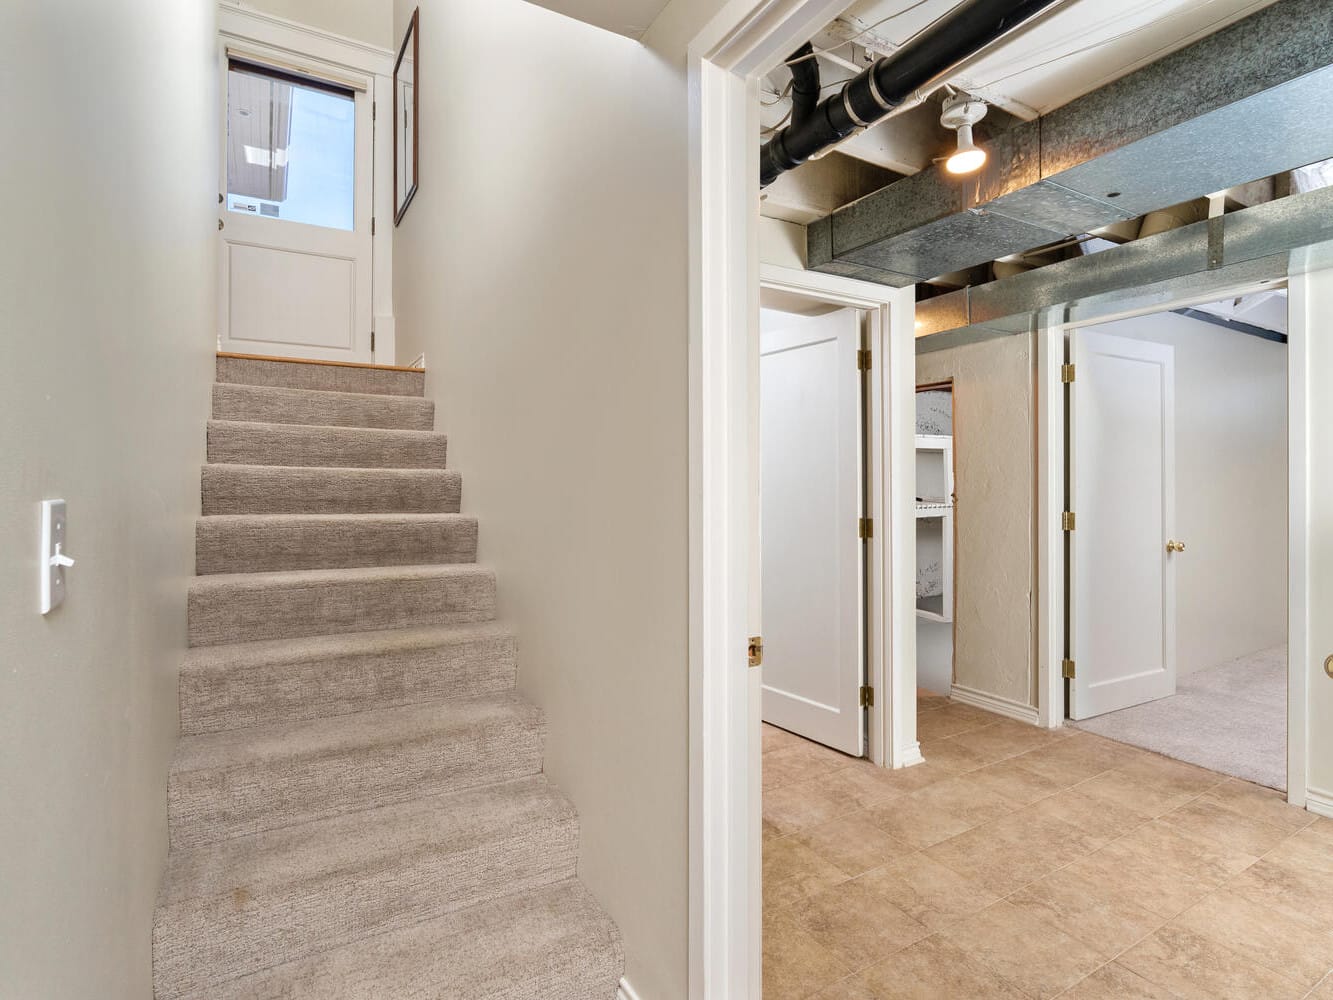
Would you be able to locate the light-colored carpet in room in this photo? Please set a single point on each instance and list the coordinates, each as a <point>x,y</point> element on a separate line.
<point>1230,718</point>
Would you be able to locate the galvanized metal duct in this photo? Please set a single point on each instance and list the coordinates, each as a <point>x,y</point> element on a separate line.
<point>1263,243</point>
<point>972,26</point>
<point>1244,103</point>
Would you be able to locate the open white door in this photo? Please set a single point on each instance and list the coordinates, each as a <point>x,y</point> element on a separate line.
<point>295,227</point>
<point>811,494</point>
<point>1122,492</point>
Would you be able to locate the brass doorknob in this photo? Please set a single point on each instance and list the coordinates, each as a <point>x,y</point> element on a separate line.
<point>1174,546</point>
<point>1328,666</point>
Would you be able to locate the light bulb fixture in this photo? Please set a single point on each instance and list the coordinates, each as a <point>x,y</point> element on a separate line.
<point>960,113</point>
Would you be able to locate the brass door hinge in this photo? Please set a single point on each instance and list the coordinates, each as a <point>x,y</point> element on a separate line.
<point>867,697</point>
<point>372,225</point>
<point>374,110</point>
<point>1067,669</point>
<point>865,528</point>
<point>756,650</point>
<point>1066,374</point>
<point>1067,520</point>
<point>863,361</point>
<point>372,341</point>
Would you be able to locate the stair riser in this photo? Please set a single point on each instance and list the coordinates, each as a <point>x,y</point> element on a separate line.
<point>327,378</point>
<point>329,447</point>
<point>330,409</point>
<point>271,545</point>
<point>247,933</point>
<point>253,610</point>
<point>551,943</point>
<point>221,699</point>
<point>213,804</point>
<point>238,489</point>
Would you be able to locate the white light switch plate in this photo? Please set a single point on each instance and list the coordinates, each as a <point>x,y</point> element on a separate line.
<point>53,541</point>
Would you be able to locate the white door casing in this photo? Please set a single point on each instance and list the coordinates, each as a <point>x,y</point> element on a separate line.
<point>811,498</point>
<point>1122,493</point>
<point>290,289</point>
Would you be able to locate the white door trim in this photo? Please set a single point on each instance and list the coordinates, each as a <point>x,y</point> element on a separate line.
<point>1051,445</point>
<point>891,450</point>
<point>745,39</point>
<point>279,38</point>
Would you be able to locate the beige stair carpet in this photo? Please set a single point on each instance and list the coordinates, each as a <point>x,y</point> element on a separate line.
<point>357,809</point>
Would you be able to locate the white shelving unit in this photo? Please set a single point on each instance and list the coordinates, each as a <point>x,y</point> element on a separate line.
<point>934,527</point>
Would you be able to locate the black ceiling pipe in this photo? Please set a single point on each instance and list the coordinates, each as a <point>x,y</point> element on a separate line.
<point>804,84</point>
<point>866,98</point>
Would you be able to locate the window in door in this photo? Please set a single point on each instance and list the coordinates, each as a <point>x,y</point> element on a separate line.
<point>291,148</point>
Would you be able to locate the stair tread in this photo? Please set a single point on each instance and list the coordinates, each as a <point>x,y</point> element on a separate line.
<point>332,395</point>
<point>378,433</point>
<point>409,517</point>
<point>320,407</point>
<point>555,941</point>
<point>379,727</point>
<point>258,442</point>
<point>342,845</point>
<point>245,488</point>
<point>294,373</point>
<point>320,577</point>
<point>276,652</point>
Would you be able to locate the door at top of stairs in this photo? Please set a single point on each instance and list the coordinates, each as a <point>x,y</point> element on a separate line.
<point>295,223</point>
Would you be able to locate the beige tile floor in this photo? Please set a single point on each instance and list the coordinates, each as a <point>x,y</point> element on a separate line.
<point>1021,863</point>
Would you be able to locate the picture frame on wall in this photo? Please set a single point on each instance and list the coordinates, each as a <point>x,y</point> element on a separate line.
<point>406,119</point>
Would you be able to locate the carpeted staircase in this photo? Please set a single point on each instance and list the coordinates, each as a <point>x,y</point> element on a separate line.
<point>357,807</point>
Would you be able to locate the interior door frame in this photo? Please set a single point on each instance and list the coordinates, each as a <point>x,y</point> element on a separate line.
<point>293,44</point>
<point>724,63</point>
<point>890,649</point>
<point>1052,449</point>
<point>1161,356</point>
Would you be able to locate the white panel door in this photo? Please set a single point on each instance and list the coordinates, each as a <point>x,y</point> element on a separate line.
<point>1122,490</point>
<point>810,458</point>
<point>296,219</point>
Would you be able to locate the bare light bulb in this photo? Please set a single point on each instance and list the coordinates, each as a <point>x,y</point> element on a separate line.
<point>969,157</point>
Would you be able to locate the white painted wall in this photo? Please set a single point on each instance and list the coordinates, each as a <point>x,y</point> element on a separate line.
<point>782,243</point>
<point>995,468</point>
<point>364,20</point>
<point>542,269</point>
<point>1312,442</point>
<point>1231,487</point>
<point>107,279</point>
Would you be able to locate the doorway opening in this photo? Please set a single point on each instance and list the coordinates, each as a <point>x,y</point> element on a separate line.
<point>1177,458</point>
<point>813,522</point>
<point>936,538</point>
<point>304,271</point>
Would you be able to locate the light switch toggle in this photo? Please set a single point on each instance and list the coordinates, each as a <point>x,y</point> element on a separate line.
<point>54,561</point>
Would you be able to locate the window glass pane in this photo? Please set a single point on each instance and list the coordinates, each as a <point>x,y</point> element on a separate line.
<point>291,149</point>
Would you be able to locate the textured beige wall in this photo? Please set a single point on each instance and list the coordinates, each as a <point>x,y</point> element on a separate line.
<point>107,278</point>
<point>365,20</point>
<point>1231,487</point>
<point>994,454</point>
<point>542,269</point>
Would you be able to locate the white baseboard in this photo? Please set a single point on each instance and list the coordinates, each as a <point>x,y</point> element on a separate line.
<point>994,703</point>
<point>911,755</point>
<point>1319,802</point>
<point>626,991</point>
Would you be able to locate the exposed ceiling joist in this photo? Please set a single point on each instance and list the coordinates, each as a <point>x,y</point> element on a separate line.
<point>1234,106</point>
